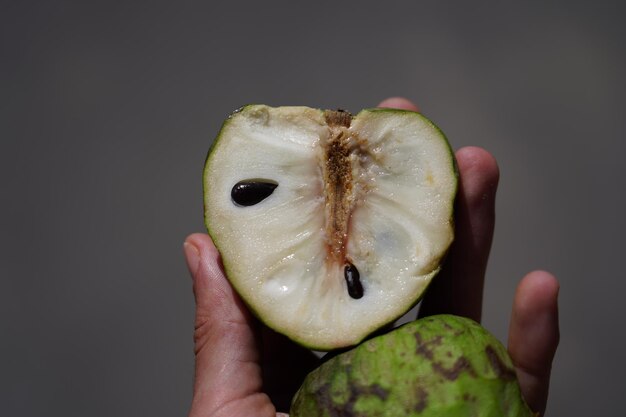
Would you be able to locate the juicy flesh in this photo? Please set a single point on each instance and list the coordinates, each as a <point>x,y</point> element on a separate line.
<point>373,193</point>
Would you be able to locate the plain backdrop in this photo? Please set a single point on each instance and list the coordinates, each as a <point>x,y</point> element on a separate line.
<point>108,109</point>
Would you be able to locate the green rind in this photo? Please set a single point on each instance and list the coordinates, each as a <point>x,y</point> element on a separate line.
<point>437,366</point>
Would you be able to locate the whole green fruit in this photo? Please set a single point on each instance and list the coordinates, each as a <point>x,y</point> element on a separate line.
<point>437,366</point>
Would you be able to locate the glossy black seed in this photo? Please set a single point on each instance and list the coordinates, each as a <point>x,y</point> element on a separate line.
<point>353,280</point>
<point>250,192</point>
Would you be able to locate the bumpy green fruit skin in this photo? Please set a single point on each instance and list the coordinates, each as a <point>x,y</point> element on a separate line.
<point>437,366</point>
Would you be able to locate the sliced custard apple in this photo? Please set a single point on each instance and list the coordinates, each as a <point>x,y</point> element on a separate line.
<point>329,225</point>
<point>438,366</point>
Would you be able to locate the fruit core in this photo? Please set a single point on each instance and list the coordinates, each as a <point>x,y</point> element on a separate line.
<point>339,149</point>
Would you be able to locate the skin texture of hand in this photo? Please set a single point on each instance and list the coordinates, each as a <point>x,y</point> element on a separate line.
<point>245,369</point>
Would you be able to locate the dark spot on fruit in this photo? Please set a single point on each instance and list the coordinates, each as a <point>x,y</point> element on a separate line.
<point>424,347</point>
<point>447,326</point>
<point>380,392</point>
<point>469,398</point>
<point>353,281</point>
<point>502,370</point>
<point>325,401</point>
<point>451,374</point>
<point>375,390</point>
<point>422,399</point>
<point>250,192</point>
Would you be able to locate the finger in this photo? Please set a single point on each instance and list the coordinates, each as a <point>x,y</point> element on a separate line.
<point>398,103</point>
<point>534,335</point>
<point>458,289</point>
<point>228,374</point>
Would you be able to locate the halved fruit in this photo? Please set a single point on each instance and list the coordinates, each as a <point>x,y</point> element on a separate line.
<point>329,225</point>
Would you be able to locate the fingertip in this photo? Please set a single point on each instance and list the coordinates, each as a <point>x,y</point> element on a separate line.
<point>542,282</point>
<point>207,272</point>
<point>473,160</point>
<point>537,292</point>
<point>203,245</point>
<point>196,247</point>
<point>535,307</point>
<point>398,103</point>
<point>543,279</point>
<point>192,257</point>
<point>201,241</point>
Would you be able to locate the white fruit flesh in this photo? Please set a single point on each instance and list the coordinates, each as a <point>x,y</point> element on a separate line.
<point>384,205</point>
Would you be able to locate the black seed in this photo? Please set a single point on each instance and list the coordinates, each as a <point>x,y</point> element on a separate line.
<point>250,192</point>
<point>351,274</point>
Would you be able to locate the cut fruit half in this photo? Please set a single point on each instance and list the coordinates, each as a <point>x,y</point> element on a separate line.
<point>329,225</point>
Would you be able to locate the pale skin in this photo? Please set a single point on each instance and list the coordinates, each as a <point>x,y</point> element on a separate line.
<point>244,369</point>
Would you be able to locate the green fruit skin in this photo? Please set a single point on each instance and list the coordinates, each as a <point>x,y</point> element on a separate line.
<point>437,366</point>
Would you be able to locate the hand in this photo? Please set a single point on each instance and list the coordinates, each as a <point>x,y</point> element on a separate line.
<point>244,369</point>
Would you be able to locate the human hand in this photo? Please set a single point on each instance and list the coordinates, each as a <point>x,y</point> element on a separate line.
<point>243,368</point>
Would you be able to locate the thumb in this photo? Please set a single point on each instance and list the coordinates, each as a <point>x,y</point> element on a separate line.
<point>227,372</point>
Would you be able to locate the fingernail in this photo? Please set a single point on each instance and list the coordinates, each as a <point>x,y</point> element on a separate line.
<point>192,255</point>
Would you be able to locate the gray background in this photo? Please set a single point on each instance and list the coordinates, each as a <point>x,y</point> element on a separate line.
<point>109,108</point>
